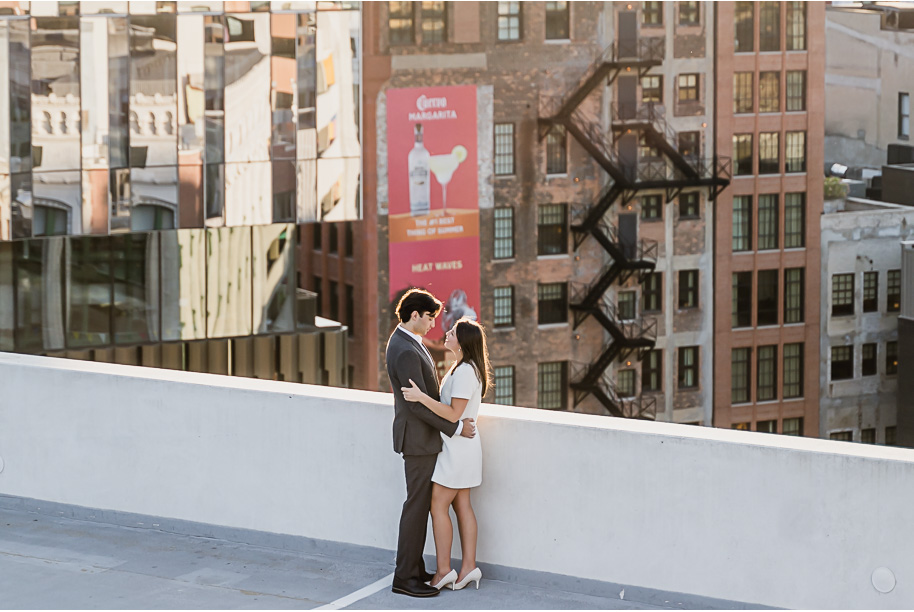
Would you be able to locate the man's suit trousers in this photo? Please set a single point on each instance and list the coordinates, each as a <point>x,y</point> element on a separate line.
<point>414,517</point>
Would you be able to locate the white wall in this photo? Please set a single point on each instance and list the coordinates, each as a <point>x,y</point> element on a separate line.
<point>736,515</point>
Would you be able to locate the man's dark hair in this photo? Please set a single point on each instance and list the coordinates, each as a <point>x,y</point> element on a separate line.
<point>417,300</point>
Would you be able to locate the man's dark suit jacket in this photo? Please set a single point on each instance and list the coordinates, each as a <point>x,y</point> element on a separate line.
<point>416,428</point>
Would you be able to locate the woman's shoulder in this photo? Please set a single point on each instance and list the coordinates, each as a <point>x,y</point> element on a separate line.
<point>466,372</point>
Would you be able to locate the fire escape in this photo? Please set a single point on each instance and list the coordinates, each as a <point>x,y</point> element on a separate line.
<point>629,257</point>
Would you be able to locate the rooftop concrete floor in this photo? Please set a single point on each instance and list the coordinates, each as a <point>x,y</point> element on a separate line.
<point>48,562</point>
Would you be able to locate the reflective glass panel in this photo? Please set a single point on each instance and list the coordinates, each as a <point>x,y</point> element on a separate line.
<point>214,88</point>
<point>56,203</point>
<point>247,88</point>
<point>151,7</point>
<point>338,188</point>
<point>39,269</point>
<point>94,7</point>
<point>7,296</point>
<point>55,93</point>
<point>153,90</point>
<point>191,90</point>
<point>336,71</point>
<point>119,200</point>
<point>248,194</point>
<point>228,282</point>
<point>4,116</point>
<point>306,191</point>
<point>282,28</point>
<point>190,196</point>
<point>90,307</point>
<point>183,284</point>
<point>214,194</point>
<point>5,207</point>
<point>118,93</point>
<point>274,278</point>
<point>135,267</point>
<point>21,210</point>
<point>94,83</point>
<point>95,201</point>
<point>306,138</point>
<point>283,191</point>
<point>20,97</point>
<point>153,198</point>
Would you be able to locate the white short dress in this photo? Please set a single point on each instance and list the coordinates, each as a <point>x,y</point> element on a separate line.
<point>460,460</point>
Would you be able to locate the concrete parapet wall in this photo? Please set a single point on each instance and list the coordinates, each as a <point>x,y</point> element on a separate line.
<point>743,516</point>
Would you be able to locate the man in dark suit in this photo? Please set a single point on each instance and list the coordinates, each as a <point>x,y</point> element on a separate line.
<point>417,434</point>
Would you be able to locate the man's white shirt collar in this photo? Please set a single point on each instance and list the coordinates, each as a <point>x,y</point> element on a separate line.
<point>418,339</point>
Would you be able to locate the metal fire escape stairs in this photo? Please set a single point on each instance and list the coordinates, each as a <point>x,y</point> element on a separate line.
<point>626,337</point>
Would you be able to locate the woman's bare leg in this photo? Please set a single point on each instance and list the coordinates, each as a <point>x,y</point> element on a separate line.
<point>466,523</point>
<point>442,528</point>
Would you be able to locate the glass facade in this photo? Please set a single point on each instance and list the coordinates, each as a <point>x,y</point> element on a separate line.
<point>118,118</point>
<point>155,158</point>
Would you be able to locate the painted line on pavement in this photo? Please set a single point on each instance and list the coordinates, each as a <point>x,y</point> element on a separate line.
<point>362,593</point>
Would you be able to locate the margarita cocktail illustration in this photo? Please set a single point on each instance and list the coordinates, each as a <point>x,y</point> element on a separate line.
<point>444,166</point>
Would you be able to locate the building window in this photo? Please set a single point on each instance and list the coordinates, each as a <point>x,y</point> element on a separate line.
<point>890,436</point>
<point>334,240</point>
<point>793,370</point>
<point>434,22</point>
<point>842,362</point>
<point>767,383</point>
<point>504,307</point>
<point>400,23</point>
<point>333,294</point>
<point>688,367</point>
<point>767,220</point>
<point>794,220</point>
<point>796,152</point>
<point>869,360</point>
<point>551,229</point>
<point>868,436</point>
<point>688,13</point>
<point>796,90</point>
<point>651,207</point>
<point>504,149</point>
<point>652,13</point>
<point>626,305</point>
<point>652,371</point>
<point>744,28</point>
<point>739,376</point>
<point>653,292</point>
<point>842,436</point>
<point>769,92</point>
<point>509,21</point>
<point>742,92</point>
<point>767,298</point>
<point>350,310</point>
<point>742,300</point>
<point>768,159</point>
<point>557,21</point>
<point>688,289</point>
<point>891,357</point>
<point>504,233</point>
<point>625,383</point>
<point>552,303</point>
<point>794,291</point>
<point>740,426</point>
<point>688,205</point>
<point>504,385</point>
<point>793,427</point>
<point>904,115</point>
<point>556,146</point>
<point>769,26</point>
<point>742,154</point>
<point>688,87</point>
<point>842,295</point>
<point>796,26</point>
<point>893,291</point>
<point>550,385</point>
<point>652,89</point>
<point>742,223</point>
<point>767,426</point>
<point>690,144</point>
<point>350,240</point>
<point>870,291</point>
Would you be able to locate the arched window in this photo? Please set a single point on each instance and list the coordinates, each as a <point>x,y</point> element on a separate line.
<point>151,124</point>
<point>46,124</point>
<point>169,123</point>
<point>134,123</point>
<point>63,123</point>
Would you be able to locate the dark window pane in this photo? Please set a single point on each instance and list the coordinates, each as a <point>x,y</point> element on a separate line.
<point>893,291</point>
<point>767,380</point>
<point>400,22</point>
<point>767,221</point>
<point>688,289</point>
<point>739,375</point>
<point>742,92</point>
<point>651,207</point>
<point>769,92</point>
<point>742,154</point>
<point>653,292</point>
<point>552,303</point>
<point>552,231</point>
<point>688,367</point>
<point>652,371</point>
<point>689,205</point>
<point>769,26</point>
<point>551,383</point>
<point>794,220</point>
<point>744,29</point>
<point>870,291</point>
<point>842,362</point>
<point>767,297</point>
<point>793,370</point>
<point>869,360</point>
<point>557,21</point>
<point>842,294</point>
<point>742,223</point>
<point>556,157</point>
<point>794,292</point>
<point>768,148</point>
<point>742,299</point>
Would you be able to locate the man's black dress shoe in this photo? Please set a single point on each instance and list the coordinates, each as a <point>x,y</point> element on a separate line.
<point>413,587</point>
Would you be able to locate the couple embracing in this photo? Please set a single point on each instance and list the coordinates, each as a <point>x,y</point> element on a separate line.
<point>436,434</point>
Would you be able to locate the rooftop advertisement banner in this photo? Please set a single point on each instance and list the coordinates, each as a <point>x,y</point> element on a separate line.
<point>433,199</point>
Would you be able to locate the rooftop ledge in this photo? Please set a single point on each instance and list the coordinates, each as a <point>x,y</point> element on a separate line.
<point>733,516</point>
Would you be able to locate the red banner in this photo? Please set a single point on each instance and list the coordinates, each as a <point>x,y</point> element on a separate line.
<point>433,199</point>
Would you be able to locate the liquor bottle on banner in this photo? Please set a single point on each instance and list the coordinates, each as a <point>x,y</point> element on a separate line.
<point>419,179</point>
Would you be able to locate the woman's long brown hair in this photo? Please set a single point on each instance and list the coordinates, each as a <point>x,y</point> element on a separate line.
<point>471,336</point>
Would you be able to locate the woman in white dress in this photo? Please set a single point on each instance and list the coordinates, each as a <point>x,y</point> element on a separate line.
<point>459,466</point>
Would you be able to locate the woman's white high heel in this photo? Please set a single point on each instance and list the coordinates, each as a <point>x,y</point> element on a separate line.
<point>474,576</point>
<point>448,580</point>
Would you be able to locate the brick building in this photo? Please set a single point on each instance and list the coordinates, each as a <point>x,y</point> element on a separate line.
<point>606,225</point>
